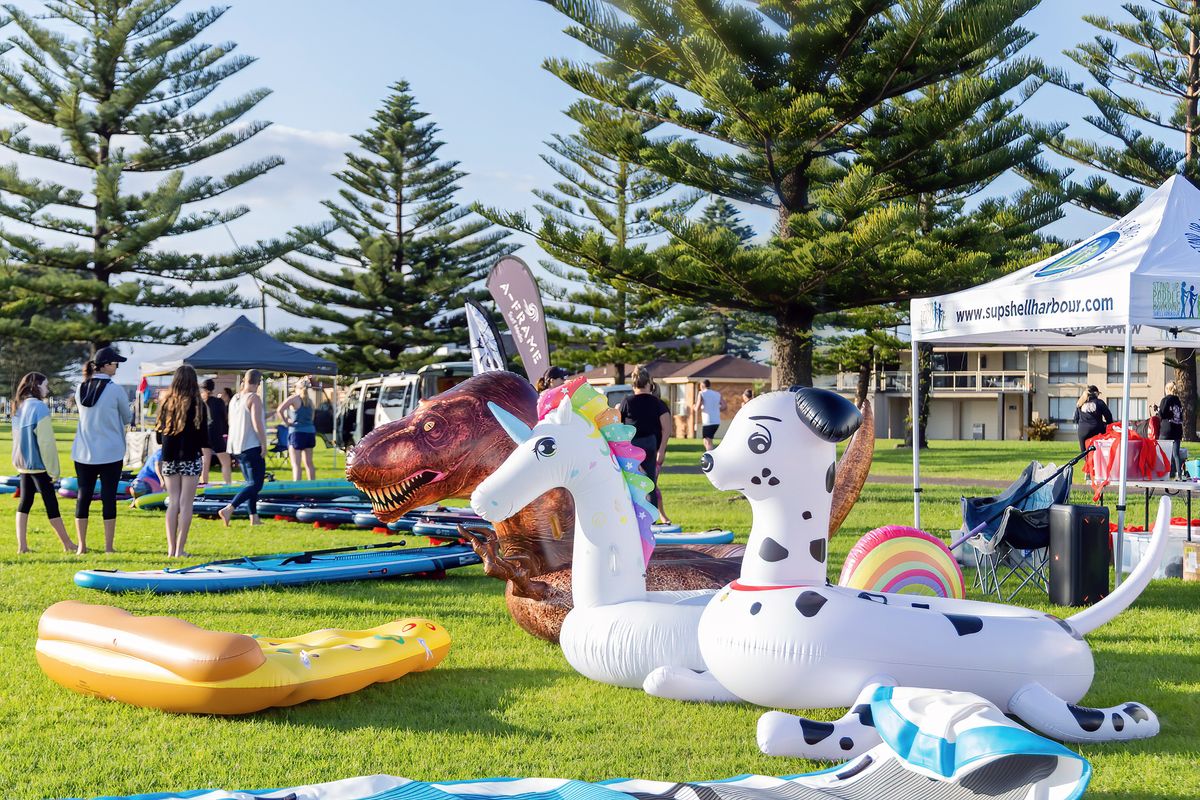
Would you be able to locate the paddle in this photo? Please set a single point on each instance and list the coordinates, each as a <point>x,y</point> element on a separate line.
<point>293,558</point>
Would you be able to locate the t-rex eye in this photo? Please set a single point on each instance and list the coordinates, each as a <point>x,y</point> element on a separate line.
<point>428,426</point>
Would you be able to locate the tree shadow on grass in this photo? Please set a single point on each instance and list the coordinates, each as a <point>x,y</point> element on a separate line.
<point>445,701</point>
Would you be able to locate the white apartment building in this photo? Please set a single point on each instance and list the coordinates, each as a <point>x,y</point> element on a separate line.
<point>993,392</point>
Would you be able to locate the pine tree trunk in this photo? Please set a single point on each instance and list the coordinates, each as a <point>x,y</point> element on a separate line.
<point>864,378</point>
<point>792,339</point>
<point>924,389</point>
<point>792,346</point>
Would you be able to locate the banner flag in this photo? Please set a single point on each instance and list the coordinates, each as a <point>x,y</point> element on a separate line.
<point>517,296</point>
<point>487,352</point>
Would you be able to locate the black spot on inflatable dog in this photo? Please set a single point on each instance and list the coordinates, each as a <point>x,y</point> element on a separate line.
<point>809,604</point>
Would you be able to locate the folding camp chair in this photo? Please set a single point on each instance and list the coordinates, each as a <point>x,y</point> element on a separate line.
<point>1018,547</point>
<point>276,455</point>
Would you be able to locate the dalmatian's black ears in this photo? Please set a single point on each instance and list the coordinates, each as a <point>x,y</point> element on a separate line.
<point>826,413</point>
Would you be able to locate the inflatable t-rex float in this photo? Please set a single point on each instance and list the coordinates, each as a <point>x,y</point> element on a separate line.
<point>451,443</point>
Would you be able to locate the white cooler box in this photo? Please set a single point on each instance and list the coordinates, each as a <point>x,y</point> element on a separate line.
<point>1135,545</point>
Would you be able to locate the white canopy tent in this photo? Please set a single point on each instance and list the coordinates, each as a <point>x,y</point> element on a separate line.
<point>1135,283</point>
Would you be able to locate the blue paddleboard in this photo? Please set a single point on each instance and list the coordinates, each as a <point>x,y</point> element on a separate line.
<point>285,569</point>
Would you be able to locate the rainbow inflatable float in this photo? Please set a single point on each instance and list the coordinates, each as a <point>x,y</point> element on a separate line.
<point>900,560</point>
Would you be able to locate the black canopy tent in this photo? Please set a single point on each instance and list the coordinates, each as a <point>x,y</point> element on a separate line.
<point>239,346</point>
<point>242,345</point>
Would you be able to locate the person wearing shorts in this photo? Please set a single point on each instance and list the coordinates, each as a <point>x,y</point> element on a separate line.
<point>709,406</point>
<point>182,429</point>
<point>99,447</point>
<point>35,456</point>
<point>297,411</point>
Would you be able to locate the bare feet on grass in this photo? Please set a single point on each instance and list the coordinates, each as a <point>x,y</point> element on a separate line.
<point>226,515</point>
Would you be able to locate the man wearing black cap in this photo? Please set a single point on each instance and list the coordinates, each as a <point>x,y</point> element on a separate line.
<point>99,447</point>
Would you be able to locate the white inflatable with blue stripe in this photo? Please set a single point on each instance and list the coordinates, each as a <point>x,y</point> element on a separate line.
<point>937,745</point>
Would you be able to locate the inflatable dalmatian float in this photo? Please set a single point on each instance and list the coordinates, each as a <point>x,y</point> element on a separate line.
<point>782,636</point>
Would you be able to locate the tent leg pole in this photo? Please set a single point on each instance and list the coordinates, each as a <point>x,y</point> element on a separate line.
<point>915,406</point>
<point>1119,539</point>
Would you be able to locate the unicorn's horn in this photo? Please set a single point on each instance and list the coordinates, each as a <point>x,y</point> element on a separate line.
<point>517,430</point>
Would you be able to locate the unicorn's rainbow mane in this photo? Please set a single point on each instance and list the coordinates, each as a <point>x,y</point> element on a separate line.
<point>591,406</point>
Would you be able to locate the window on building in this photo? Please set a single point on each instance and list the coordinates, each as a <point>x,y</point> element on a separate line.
<point>1068,366</point>
<point>1062,410</point>
<point>1016,362</point>
<point>1137,368</point>
<point>949,362</point>
<point>1137,408</point>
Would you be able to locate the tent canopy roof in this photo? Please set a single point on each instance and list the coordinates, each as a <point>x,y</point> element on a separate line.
<point>242,345</point>
<point>1142,270</point>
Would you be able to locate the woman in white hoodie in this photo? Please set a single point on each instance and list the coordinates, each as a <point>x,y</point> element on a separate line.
<point>99,448</point>
<point>35,455</point>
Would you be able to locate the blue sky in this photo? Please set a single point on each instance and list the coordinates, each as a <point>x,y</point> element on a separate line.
<point>475,67</point>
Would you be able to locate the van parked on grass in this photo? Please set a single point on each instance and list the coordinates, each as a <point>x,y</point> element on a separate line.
<point>371,402</point>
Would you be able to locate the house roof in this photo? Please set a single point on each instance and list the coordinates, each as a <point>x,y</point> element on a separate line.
<point>719,367</point>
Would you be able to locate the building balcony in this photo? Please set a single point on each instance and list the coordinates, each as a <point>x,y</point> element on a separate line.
<point>898,382</point>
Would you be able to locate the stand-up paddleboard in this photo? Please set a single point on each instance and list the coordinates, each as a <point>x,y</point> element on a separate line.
<point>6,489</point>
<point>445,531</point>
<point>294,490</point>
<point>714,536</point>
<point>71,484</point>
<point>327,515</point>
<point>367,562</point>
<point>658,528</point>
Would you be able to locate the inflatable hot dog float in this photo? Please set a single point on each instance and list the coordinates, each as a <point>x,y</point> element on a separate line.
<point>173,665</point>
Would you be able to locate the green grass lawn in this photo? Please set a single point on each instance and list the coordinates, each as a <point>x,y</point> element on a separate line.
<point>503,703</point>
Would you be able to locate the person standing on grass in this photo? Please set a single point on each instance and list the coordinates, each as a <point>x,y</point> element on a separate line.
<point>247,438</point>
<point>302,432</point>
<point>1170,429</point>
<point>181,429</point>
<point>99,447</point>
<point>709,406</point>
<point>653,426</point>
<point>1092,416</point>
<point>35,456</point>
<point>218,430</point>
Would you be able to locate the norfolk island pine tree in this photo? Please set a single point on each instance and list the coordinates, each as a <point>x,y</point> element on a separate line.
<point>389,274</point>
<point>802,100</point>
<point>602,192</point>
<point>122,83</point>
<point>1140,67</point>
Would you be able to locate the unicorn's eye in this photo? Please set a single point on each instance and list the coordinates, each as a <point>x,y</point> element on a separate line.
<point>759,442</point>
<point>545,447</point>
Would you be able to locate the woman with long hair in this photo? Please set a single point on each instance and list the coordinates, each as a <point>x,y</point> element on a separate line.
<point>653,426</point>
<point>247,438</point>
<point>181,429</point>
<point>1170,429</point>
<point>1092,416</point>
<point>302,432</point>
<point>99,447</point>
<point>35,455</point>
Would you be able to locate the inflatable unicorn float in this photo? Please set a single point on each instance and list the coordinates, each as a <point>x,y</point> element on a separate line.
<point>781,635</point>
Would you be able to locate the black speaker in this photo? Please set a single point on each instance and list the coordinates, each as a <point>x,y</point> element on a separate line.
<point>1079,554</point>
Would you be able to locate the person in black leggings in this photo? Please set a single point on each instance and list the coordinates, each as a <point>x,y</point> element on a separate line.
<point>35,455</point>
<point>99,447</point>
